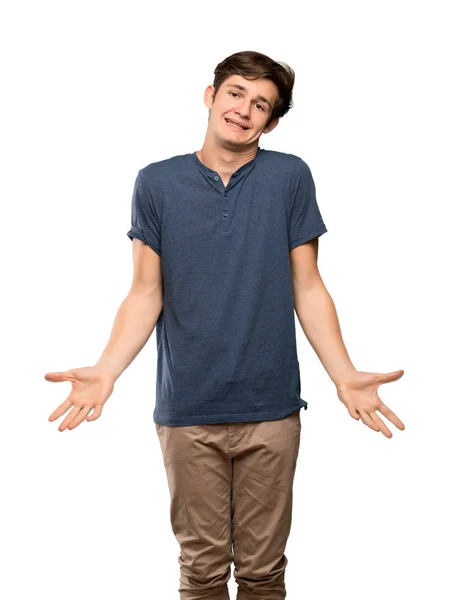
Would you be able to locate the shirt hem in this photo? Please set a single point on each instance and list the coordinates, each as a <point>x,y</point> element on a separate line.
<point>227,418</point>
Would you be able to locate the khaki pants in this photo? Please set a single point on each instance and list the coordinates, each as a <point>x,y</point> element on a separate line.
<point>231,489</point>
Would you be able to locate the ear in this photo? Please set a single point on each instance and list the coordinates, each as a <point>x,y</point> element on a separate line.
<point>209,96</point>
<point>272,125</point>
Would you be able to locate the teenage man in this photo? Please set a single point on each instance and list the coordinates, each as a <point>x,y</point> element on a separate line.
<point>225,246</point>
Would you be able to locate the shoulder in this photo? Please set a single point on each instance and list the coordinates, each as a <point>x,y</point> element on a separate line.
<point>165,170</point>
<point>287,163</point>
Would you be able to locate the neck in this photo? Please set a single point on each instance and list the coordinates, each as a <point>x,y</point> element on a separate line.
<point>224,160</point>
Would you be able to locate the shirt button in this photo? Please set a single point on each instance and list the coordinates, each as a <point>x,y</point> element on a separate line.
<point>216,177</point>
<point>225,213</point>
<point>225,195</point>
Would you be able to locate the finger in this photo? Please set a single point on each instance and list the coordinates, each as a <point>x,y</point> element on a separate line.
<point>387,412</point>
<point>80,417</point>
<point>353,412</point>
<point>367,420</point>
<point>62,408</point>
<point>69,418</point>
<point>382,427</point>
<point>95,415</point>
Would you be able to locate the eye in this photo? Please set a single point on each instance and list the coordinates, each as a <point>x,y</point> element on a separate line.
<point>260,105</point>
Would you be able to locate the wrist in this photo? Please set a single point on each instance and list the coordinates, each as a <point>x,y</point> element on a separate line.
<point>343,375</point>
<point>108,369</point>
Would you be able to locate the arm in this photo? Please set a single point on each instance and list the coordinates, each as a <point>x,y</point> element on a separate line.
<point>137,315</point>
<point>357,390</point>
<point>316,312</point>
<point>133,325</point>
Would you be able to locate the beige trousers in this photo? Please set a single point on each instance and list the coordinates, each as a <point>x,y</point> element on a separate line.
<point>231,489</point>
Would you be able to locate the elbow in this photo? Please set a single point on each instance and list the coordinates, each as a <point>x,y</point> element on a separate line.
<point>307,284</point>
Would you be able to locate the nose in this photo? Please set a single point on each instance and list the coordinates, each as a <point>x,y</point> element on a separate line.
<point>244,110</point>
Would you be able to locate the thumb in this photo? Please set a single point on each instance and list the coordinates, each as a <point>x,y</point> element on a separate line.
<point>392,376</point>
<point>59,376</point>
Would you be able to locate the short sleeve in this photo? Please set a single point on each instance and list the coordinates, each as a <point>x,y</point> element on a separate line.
<point>306,221</point>
<point>145,220</point>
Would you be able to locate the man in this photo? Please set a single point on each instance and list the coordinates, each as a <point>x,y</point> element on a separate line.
<point>225,246</point>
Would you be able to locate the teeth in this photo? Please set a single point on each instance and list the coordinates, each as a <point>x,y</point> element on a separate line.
<point>235,124</point>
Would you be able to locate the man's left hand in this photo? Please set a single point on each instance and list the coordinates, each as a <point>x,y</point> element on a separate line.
<point>358,391</point>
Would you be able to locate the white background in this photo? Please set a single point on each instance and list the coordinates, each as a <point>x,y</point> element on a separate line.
<point>94,91</point>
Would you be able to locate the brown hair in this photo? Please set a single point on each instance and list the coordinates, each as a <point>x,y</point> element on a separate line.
<point>253,65</point>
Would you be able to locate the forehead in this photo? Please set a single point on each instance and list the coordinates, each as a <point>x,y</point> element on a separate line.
<point>261,89</point>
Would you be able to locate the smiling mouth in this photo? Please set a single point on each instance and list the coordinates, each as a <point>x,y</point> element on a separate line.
<point>232,124</point>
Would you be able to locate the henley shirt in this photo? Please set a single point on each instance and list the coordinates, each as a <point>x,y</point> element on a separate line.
<point>225,337</point>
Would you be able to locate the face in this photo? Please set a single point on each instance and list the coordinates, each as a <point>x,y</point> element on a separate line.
<point>250,107</point>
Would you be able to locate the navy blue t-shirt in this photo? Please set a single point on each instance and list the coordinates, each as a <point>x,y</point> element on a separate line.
<point>226,335</point>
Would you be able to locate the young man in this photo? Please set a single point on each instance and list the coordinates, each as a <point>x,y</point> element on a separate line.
<point>225,246</point>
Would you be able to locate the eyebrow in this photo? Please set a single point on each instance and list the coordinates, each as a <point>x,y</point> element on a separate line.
<point>244,89</point>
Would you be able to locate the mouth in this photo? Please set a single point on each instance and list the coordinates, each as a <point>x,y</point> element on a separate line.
<point>235,125</point>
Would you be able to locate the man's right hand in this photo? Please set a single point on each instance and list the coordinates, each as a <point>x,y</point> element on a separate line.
<point>91,388</point>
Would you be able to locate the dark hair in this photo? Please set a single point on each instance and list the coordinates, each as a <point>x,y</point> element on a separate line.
<point>253,65</point>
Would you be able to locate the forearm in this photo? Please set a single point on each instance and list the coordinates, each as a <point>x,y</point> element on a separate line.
<point>133,325</point>
<point>317,315</point>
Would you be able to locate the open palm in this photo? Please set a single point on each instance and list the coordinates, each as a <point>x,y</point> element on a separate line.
<point>91,388</point>
<point>359,392</point>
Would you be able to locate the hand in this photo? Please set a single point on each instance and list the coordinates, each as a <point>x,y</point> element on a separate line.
<point>91,388</point>
<point>359,392</point>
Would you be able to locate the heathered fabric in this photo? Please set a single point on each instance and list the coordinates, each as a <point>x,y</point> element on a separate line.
<point>226,335</point>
